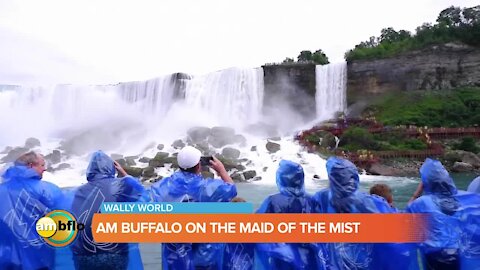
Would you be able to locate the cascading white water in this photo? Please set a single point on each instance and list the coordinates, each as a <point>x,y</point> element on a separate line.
<point>127,117</point>
<point>154,97</point>
<point>232,96</point>
<point>331,85</point>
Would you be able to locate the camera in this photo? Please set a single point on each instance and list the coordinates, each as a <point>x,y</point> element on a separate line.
<point>205,161</point>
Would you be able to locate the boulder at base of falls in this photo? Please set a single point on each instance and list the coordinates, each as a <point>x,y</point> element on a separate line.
<point>198,134</point>
<point>272,147</point>
<point>134,171</point>
<point>221,136</point>
<point>178,144</point>
<point>149,172</point>
<point>54,157</point>
<point>230,153</point>
<point>250,174</point>
<point>32,142</point>
<point>462,167</point>
<point>14,154</point>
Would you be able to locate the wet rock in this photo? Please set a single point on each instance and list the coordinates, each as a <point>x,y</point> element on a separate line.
<point>116,156</point>
<point>32,142</point>
<point>159,160</point>
<point>462,167</point>
<point>178,144</point>
<point>14,154</point>
<point>134,171</point>
<point>463,156</point>
<point>171,160</point>
<point>240,140</point>
<point>144,160</point>
<point>230,153</point>
<point>6,150</point>
<point>257,178</point>
<point>316,177</point>
<point>198,134</point>
<point>130,161</point>
<point>160,147</point>
<point>221,136</point>
<point>238,177</point>
<point>379,169</point>
<point>149,172</point>
<point>63,166</point>
<point>265,169</point>
<point>54,157</point>
<point>249,174</point>
<point>254,148</point>
<point>272,147</point>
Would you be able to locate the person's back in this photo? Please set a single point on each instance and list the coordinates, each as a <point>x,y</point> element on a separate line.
<point>26,198</point>
<point>454,218</point>
<point>344,196</point>
<point>291,199</point>
<point>102,187</point>
<point>187,185</point>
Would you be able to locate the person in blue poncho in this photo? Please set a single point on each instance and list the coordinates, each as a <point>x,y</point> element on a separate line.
<point>26,198</point>
<point>291,199</point>
<point>343,196</point>
<point>238,256</point>
<point>102,186</point>
<point>474,186</point>
<point>187,185</point>
<point>453,233</point>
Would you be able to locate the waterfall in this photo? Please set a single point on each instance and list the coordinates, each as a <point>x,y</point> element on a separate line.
<point>233,96</point>
<point>331,85</point>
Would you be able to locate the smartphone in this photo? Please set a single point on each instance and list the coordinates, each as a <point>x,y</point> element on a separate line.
<point>205,161</point>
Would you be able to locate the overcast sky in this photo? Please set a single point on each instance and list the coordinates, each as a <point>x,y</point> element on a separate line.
<point>114,40</point>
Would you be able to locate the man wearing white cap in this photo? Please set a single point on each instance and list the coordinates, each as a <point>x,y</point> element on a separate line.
<point>188,185</point>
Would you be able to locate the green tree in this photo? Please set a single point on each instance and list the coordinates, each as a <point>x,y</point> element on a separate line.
<point>320,58</point>
<point>288,60</point>
<point>305,56</point>
<point>450,17</point>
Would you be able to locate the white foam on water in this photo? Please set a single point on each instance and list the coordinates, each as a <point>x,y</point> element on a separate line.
<point>131,118</point>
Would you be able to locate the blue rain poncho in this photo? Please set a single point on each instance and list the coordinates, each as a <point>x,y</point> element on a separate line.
<point>344,196</point>
<point>25,198</point>
<point>238,256</point>
<point>189,187</point>
<point>102,187</point>
<point>291,199</point>
<point>453,236</point>
<point>474,186</point>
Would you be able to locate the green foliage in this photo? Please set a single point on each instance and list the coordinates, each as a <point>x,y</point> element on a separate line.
<point>318,57</point>
<point>305,56</point>
<point>453,24</point>
<point>356,138</point>
<point>458,108</point>
<point>468,144</point>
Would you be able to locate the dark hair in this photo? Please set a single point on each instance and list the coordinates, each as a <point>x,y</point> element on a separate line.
<point>382,190</point>
<point>190,170</point>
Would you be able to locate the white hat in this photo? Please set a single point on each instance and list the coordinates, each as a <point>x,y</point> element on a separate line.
<point>188,157</point>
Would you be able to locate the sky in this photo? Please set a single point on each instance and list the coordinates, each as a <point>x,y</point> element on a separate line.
<point>107,41</point>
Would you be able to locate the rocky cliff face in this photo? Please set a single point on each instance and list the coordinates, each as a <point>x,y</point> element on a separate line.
<point>435,68</point>
<point>293,85</point>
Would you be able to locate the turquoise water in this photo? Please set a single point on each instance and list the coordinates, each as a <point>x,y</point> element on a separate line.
<point>402,188</point>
